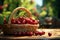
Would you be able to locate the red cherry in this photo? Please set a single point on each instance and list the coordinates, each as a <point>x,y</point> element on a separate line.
<point>35,22</point>
<point>29,33</point>
<point>1,7</point>
<point>24,21</point>
<point>18,22</point>
<point>36,33</point>
<point>21,19</point>
<point>49,34</point>
<point>43,32</point>
<point>40,33</point>
<point>20,33</point>
<point>27,18</point>
<point>28,21</point>
<point>24,33</point>
<point>13,21</point>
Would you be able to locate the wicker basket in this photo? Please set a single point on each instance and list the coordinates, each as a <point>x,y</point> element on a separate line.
<point>11,28</point>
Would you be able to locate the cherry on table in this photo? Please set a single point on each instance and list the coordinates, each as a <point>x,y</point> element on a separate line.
<point>49,34</point>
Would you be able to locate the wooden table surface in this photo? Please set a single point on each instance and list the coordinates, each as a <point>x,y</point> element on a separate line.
<point>55,35</point>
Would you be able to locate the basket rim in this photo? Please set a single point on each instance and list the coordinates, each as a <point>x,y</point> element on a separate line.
<point>23,24</point>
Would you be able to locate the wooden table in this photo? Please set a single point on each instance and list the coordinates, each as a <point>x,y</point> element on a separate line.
<point>55,35</point>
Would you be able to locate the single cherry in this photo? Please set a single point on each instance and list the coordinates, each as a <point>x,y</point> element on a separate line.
<point>34,22</point>
<point>24,21</point>
<point>20,33</point>
<point>36,33</point>
<point>28,21</point>
<point>41,33</point>
<point>29,33</point>
<point>13,21</point>
<point>18,22</point>
<point>1,7</point>
<point>49,34</point>
<point>24,33</point>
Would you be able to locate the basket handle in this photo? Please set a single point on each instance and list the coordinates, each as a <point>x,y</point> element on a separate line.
<point>19,8</point>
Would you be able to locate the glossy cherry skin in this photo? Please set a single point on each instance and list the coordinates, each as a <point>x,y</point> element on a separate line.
<point>29,33</point>
<point>13,21</point>
<point>49,34</point>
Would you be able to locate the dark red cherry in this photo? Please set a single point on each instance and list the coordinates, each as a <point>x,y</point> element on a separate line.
<point>13,21</point>
<point>49,34</point>
<point>1,7</point>
<point>18,22</point>
<point>34,22</point>
<point>28,21</point>
<point>24,21</point>
<point>20,33</point>
<point>40,33</point>
<point>36,33</point>
<point>24,33</point>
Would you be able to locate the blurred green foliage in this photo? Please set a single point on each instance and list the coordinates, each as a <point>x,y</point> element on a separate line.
<point>10,5</point>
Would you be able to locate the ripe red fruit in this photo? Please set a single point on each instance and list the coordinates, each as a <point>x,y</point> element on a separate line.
<point>24,21</point>
<point>20,33</point>
<point>1,7</point>
<point>49,34</point>
<point>18,22</point>
<point>41,33</point>
<point>36,33</point>
<point>28,21</point>
<point>35,22</point>
<point>29,33</point>
<point>24,33</point>
<point>13,21</point>
<point>21,19</point>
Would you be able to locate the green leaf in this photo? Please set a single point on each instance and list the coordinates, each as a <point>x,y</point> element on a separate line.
<point>1,19</point>
<point>7,18</point>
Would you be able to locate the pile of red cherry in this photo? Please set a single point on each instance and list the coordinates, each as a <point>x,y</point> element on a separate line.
<point>23,20</point>
<point>31,33</point>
